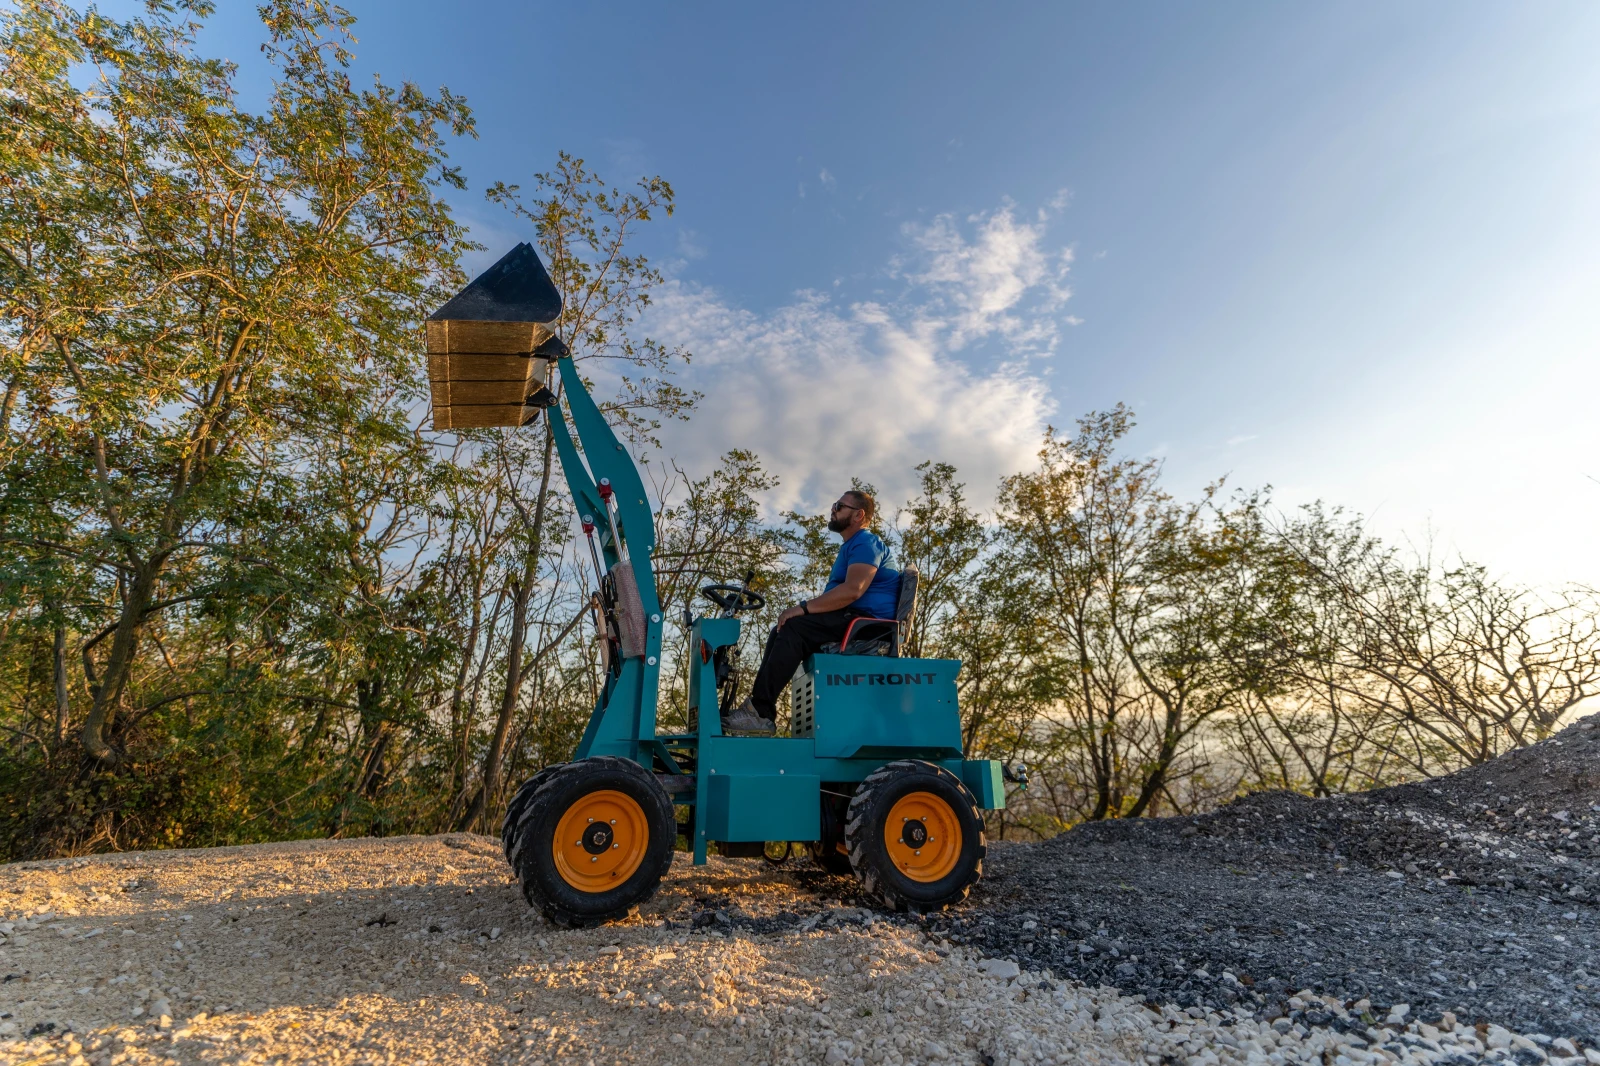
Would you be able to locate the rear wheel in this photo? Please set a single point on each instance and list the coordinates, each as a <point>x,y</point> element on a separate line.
<point>915,837</point>
<point>593,840</point>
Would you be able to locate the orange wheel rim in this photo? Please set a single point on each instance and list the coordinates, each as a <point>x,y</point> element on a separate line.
<point>924,837</point>
<point>600,841</point>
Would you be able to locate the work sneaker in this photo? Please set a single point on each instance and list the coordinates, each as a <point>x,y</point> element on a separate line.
<point>744,719</point>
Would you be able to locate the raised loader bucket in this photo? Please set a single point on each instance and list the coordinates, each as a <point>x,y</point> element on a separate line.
<point>491,347</point>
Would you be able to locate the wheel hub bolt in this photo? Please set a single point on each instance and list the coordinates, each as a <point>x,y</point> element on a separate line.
<point>597,838</point>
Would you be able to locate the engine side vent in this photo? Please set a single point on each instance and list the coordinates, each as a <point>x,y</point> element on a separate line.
<point>802,704</point>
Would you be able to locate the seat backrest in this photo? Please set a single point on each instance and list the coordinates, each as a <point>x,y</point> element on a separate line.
<point>905,607</point>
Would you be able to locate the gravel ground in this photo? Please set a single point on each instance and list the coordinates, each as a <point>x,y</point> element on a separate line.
<point>420,950</point>
<point>1474,893</point>
<point>1402,926</point>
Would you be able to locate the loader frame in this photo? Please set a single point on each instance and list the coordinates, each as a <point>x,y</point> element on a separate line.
<point>861,712</point>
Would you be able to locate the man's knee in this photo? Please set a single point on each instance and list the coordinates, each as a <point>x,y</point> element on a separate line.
<point>781,643</point>
<point>778,639</point>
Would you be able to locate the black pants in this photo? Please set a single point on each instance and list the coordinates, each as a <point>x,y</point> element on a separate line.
<point>787,648</point>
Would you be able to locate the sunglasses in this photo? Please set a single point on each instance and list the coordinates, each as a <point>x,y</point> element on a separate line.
<point>844,507</point>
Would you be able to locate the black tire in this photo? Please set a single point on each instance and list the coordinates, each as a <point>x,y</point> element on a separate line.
<point>877,851</point>
<point>570,892</point>
<point>516,808</point>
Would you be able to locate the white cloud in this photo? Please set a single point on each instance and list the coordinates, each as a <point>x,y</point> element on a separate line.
<point>829,182</point>
<point>1000,280</point>
<point>826,390</point>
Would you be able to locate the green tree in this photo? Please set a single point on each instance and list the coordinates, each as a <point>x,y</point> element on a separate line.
<point>1456,665</point>
<point>943,538</point>
<point>1142,615</point>
<point>1078,535</point>
<point>194,298</point>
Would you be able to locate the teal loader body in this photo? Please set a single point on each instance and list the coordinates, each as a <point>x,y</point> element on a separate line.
<point>872,778</point>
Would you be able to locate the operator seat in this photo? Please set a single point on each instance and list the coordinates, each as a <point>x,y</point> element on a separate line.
<point>882,636</point>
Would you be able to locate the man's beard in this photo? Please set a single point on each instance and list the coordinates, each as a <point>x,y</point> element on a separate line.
<point>838,525</point>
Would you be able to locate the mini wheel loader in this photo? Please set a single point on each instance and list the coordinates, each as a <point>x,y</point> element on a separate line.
<point>871,780</point>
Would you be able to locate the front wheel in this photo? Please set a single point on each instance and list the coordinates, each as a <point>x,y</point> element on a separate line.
<point>511,836</point>
<point>594,840</point>
<point>915,837</point>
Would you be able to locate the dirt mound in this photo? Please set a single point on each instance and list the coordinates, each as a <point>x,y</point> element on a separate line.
<point>1529,820</point>
<point>1552,775</point>
<point>1475,892</point>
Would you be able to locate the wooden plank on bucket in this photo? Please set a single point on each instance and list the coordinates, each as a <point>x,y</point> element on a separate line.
<point>456,393</point>
<point>483,416</point>
<point>449,336</point>
<point>478,366</point>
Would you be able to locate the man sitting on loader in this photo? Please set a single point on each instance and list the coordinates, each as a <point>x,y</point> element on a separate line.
<point>862,585</point>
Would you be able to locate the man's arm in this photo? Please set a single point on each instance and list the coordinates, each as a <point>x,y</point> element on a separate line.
<point>857,578</point>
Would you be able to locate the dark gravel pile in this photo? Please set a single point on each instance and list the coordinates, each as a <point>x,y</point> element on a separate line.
<point>1475,893</point>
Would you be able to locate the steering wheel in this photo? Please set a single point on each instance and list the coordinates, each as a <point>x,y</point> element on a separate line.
<point>734,598</point>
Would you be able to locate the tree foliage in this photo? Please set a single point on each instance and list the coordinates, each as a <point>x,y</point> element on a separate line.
<point>246,595</point>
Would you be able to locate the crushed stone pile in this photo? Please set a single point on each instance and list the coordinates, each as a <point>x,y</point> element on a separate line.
<point>1475,894</point>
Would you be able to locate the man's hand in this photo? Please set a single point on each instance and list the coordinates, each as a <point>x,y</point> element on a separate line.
<point>856,580</point>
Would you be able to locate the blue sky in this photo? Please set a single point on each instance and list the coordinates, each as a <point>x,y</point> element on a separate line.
<point>1350,250</point>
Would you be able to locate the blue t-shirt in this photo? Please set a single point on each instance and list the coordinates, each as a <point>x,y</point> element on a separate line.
<point>883,595</point>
